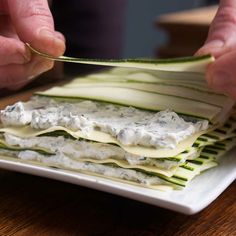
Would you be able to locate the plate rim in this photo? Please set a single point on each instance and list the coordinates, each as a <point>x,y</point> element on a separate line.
<point>137,193</point>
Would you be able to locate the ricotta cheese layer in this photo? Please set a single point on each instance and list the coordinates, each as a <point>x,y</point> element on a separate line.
<point>62,161</point>
<point>130,126</point>
<point>79,149</point>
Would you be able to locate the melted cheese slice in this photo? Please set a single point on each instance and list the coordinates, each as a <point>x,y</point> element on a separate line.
<point>120,163</point>
<point>97,136</point>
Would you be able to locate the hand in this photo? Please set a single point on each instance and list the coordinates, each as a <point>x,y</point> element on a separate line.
<point>221,42</point>
<point>24,21</point>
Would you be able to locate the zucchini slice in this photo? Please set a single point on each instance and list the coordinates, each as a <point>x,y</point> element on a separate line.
<point>140,99</point>
<point>191,64</point>
<point>191,93</point>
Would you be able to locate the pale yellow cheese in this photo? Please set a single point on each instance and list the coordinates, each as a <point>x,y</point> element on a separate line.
<point>98,136</point>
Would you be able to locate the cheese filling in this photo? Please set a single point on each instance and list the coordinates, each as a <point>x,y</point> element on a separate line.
<point>62,161</point>
<point>130,126</point>
<point>78,149</point>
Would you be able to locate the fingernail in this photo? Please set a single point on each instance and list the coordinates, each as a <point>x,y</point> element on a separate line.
<point>46,33</point>
<point>211,47</point>
<point>56,45</point>
<point>214,44</point>
<point>220,80</point>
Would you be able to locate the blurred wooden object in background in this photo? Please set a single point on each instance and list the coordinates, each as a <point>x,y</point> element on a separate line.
<point>186,31</point>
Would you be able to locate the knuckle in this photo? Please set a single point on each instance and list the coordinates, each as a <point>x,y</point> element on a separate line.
<point>224,24</point>
<point>37,8</point>
<point>227,15</point>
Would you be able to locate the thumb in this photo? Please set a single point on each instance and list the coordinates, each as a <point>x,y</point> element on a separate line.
<point>222,34</point>
<point>221,74</point>
<point>34,24</point>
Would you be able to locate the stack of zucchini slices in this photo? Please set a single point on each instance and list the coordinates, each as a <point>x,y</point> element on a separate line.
<point>155,124</point>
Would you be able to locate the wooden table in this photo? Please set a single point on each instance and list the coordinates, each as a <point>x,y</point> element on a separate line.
<point>32,205</point>
<point>186,31</point>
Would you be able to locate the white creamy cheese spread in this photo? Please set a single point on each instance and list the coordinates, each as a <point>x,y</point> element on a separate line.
<point>130,126</point>
<point>78,149</point>
<point>73,148</point>
<point>63,161</point>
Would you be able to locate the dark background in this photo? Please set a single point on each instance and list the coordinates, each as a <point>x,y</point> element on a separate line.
<point>115,28</point>
<point>141,37</point>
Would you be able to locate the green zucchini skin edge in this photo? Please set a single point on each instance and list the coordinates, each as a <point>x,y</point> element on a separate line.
<point>136,60</point>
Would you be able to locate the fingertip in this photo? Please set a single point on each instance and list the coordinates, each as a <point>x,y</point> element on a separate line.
<point>50,42</point>
<point>60,36</point>
<point>205,50</point>
<point>214,47</point>
<point>201,51</point>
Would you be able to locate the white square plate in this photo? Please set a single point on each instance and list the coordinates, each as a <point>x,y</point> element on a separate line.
<point>200,193</point>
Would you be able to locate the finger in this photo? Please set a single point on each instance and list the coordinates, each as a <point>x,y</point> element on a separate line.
<point>4,7</point>
<point>18,86</point>
<point>221,75</point>
<point>13,51</point>
<point>222,34</point>
<point>6,27</point>
<point>15,75</point>
<point>59,35</point>
<point>34,24</point>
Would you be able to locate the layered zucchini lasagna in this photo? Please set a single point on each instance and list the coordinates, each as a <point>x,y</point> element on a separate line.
<point>157,129</point>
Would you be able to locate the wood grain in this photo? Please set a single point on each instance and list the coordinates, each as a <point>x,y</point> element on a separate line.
<point>31,205</point>
<point>199,16</point>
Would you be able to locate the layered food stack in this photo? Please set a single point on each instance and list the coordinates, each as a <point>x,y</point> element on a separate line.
<point>156,128</point>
